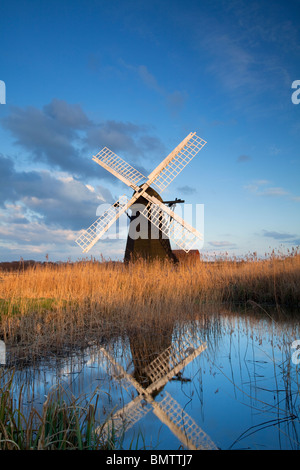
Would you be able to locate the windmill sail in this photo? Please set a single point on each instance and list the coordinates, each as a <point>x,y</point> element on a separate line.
<point>91,235</point>
<point>119,168</point>
<point>182,425</point>
<point>127,417</point>
<point>171,361</point>
<point>174,163</point>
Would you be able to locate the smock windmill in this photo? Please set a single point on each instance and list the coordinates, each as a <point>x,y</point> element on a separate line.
<point>162,222</point>
<point>165,366</point>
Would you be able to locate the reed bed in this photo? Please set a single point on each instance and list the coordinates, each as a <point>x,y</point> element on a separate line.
<point>64,423</point>
<point>51,309</point>
<point>55,306</point>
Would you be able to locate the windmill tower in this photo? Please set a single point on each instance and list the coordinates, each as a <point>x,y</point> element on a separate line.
<point>152,242</point>
<point>161,219</point>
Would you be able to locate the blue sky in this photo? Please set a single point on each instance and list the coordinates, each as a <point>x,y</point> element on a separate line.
<point>137,77</point>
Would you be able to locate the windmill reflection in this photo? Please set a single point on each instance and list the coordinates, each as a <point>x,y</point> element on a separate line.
<point>145,348</point>
<point>157,359</point>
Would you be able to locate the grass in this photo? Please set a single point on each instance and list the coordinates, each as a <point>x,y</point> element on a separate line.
<point>65,423</point>
<point>53,307</point>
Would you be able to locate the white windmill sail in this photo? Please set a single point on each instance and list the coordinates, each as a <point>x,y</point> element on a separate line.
<point>174,163</point>
<point>119,168</point>
<point>90,236</point>
<point>167,410</point>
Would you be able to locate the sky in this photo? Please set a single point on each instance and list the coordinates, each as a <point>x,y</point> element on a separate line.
<point>138,77</point>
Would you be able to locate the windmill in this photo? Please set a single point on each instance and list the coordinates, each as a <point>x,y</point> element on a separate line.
<point>165,366</point>
<point>161,219</point>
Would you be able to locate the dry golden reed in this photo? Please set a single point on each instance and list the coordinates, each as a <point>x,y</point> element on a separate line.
<point>58,305</point>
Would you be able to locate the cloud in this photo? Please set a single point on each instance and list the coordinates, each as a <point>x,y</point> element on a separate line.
<point>237,60</point>
<point>274,150</point>
<point>287,238</point>
<point>274,192</point>
<point>231,62</point>
<point>187,189</point>
<point>45,213</point>
<point>58,244</point>
<point>221,244</point>
<point>123,138</point>
<point>243,158</point>
<point>48,133</point>
<point>34,235</point>
<point>149,79</point>
<point>259,28</point>
<point>68,204</point>
<point>258,188</point>
<point>56,199</point>
<point>60,135</point>
<point>6,179</point>
<point>118,136</point>
<point>255,186</point>
<point>174,101</point>
<point>33,239</point>
<point>278,235</point>
<point>68,115</point>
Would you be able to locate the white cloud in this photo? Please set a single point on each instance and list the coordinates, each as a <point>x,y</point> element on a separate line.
<point>221,244</point>
<point>274,192</point>
<point>60,135</point>
<point>263,188</point>
<point>174,100</point>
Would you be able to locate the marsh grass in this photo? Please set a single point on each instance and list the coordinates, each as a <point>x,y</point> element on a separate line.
<point>64,423</point>
<point>53,307</point>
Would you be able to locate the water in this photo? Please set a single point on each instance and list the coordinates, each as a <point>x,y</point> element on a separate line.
<point>227,381</point>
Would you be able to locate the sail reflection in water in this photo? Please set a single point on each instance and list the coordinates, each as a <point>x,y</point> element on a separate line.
<point>150,379</point>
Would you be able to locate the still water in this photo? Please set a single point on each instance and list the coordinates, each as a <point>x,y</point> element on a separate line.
<point>224,381</point>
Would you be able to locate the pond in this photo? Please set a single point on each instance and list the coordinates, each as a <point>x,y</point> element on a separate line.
<point>223,381</point>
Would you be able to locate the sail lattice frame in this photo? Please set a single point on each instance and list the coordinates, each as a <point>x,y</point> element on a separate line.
<point>178,160</point>
<point>118,167</point>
